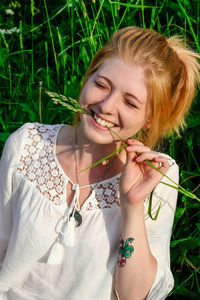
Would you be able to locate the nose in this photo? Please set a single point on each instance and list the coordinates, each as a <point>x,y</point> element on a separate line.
<point>109,104</point>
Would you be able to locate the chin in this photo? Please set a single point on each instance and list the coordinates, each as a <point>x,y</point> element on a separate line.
<point>99,139</point>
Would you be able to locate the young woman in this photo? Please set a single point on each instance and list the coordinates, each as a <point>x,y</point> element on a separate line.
<point>66,234</point>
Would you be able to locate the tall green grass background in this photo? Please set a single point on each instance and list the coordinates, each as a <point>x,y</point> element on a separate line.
<point>48,44</point>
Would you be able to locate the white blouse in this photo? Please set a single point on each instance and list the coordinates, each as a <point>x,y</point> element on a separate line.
<point>44,257</point>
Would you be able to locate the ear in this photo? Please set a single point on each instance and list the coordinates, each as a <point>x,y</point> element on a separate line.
<point>147,124</point>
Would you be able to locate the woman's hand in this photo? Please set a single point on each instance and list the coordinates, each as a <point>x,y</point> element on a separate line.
<point>138,178</point>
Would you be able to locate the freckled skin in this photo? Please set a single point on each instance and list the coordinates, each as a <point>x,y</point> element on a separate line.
<point>117,93</point>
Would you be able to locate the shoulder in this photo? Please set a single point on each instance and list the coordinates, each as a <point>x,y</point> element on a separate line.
<point>166,191</point>
<point>14,141</point>
<point>27,134</point>
<point>163,196</point>
<point>32,128</point>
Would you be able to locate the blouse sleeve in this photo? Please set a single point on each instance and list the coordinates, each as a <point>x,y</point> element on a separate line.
<point>159,233</point>
<point>8,164</point>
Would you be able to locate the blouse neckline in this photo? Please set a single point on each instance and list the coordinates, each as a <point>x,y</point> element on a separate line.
<point>67,178</point>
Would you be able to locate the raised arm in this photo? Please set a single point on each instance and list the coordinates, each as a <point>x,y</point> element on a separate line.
<point>143,270</point>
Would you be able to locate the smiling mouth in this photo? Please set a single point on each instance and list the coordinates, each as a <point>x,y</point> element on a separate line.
<point>102,122</point>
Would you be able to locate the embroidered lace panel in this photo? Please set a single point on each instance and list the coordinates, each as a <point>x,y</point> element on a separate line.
<point>38,164</point>
<point>106,195</point>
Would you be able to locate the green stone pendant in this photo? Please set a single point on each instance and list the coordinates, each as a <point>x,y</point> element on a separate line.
<point>77,216</point>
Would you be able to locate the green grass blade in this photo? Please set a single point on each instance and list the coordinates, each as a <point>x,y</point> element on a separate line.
<point>182,191</point>
<point>150,207</point>
<point>52,40</point>
<point>21,43</point>
<point>53,17</point>
<point>32,58</point>
<point>47,63</point>
<point>28,51</point>
<point>40,101</point>
<point>106,157</point>
<point>97,16</point>
<point>190,24</point>
<point>131,5</point>
<point>143,19</point>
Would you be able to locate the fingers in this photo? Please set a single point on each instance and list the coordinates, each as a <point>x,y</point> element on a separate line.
<point>133,141</point>
<point>130,150</point>
<point>164,163</point>
<point>136,146</point>
<point>141,153</point>
<point>134,150</point>
<point>150,155</point>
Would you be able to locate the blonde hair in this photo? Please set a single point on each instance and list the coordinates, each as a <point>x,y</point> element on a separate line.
<point>171,75</point>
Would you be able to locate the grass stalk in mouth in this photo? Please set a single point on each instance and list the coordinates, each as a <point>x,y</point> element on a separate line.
<point>68,102</point>
<point>74,106</point>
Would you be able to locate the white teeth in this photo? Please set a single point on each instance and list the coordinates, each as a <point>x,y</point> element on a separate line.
<point>103,122</point>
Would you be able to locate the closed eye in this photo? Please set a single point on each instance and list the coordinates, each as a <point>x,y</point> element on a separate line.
<point>100,85</point>
<point>130,104</point>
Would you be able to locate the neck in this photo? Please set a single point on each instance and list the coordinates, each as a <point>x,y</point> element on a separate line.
<point>89,153</point>
<point>93,152</point>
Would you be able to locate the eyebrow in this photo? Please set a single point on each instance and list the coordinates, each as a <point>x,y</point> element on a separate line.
<point>128,94</point>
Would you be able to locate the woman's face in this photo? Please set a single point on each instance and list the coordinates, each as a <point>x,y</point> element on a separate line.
<point>116,95</point>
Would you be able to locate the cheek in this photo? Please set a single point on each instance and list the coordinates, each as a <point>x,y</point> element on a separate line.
<point>134,116</point>
<point>87,96</point>
<point>90,96</point>
<point>134,120</point>
<point>82,97</point>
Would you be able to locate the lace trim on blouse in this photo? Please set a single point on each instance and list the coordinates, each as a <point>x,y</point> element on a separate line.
<point>38,164</point>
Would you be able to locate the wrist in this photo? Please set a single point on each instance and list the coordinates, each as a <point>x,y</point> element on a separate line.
<point>131,208</point>
<point>132,215</point>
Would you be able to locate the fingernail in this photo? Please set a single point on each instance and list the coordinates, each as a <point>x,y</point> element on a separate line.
<point>128,148</point>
